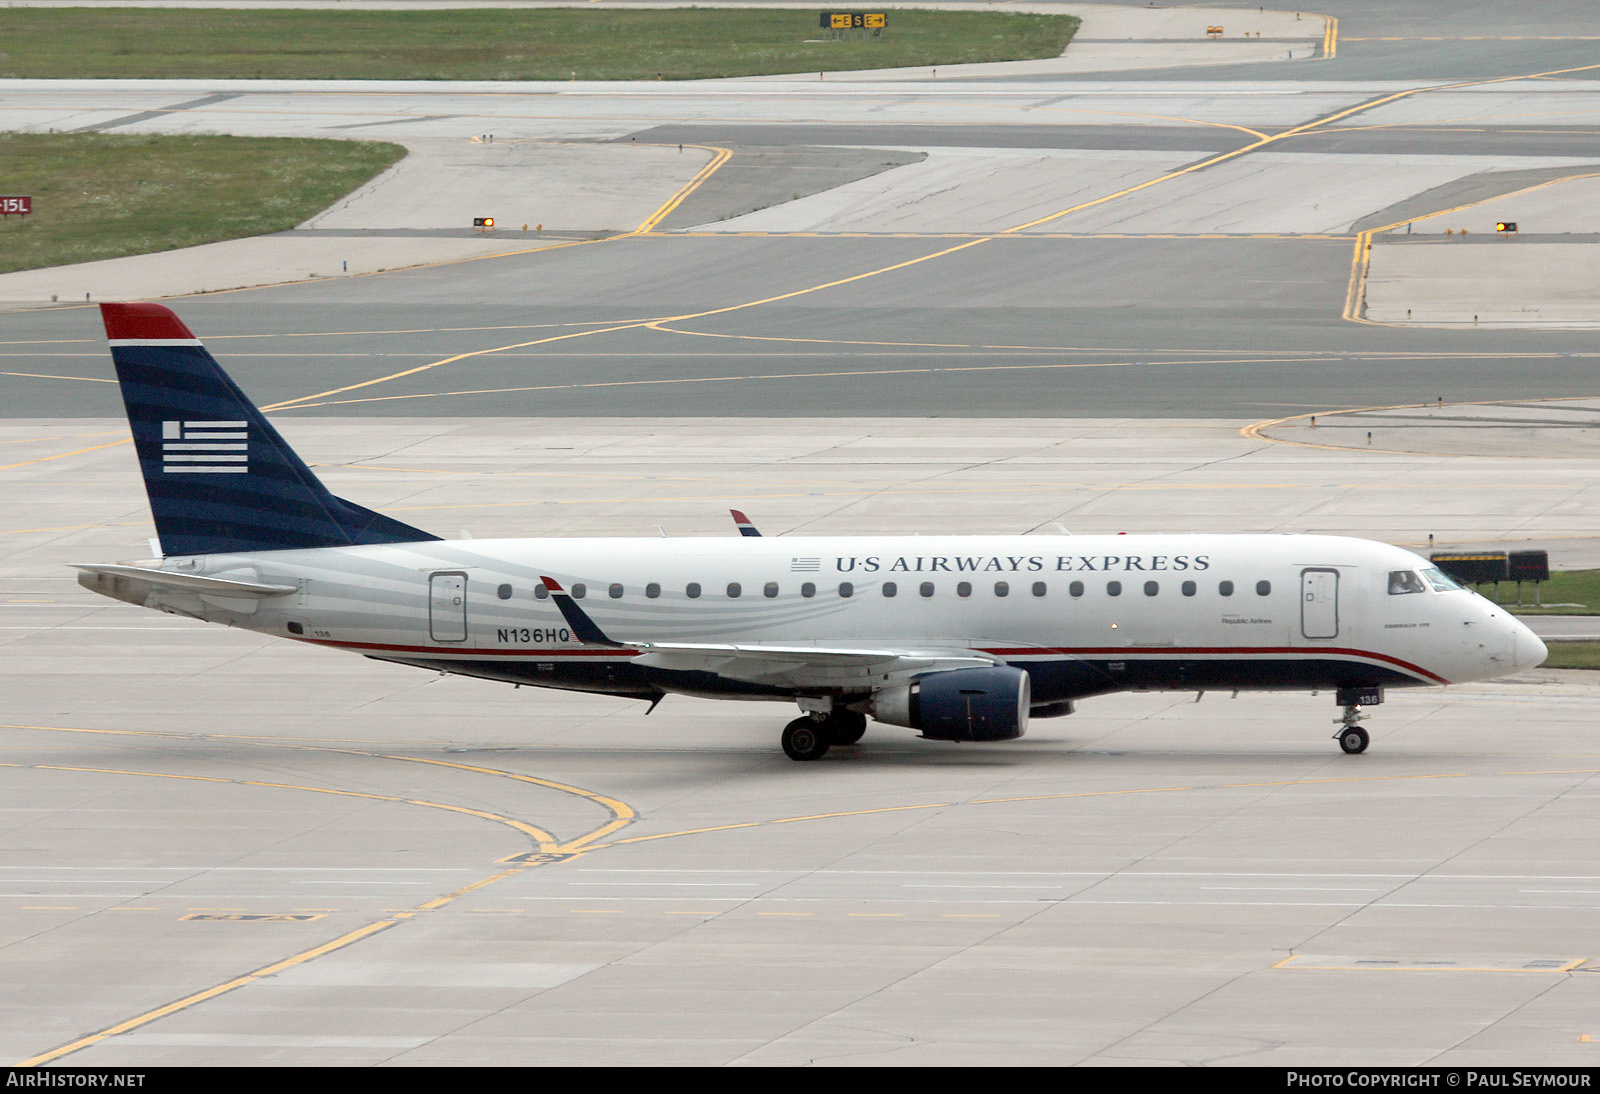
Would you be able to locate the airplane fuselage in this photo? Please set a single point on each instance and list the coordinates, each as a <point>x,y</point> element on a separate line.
<point>1082,615</point>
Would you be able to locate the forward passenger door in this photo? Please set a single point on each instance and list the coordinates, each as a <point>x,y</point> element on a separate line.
<point>1319,602</point>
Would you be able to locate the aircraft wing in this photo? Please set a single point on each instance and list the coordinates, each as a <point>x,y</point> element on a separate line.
<point>804,666</point>
<point>757,663</point>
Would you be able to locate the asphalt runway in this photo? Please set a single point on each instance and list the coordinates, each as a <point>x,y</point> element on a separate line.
<point>688,327</point>
<point>225,849</point>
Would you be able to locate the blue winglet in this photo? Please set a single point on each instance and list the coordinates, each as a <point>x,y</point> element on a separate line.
<point>585,628</point>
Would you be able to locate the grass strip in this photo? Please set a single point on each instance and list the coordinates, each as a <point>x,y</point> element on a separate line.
<point>103,196</point>
<point>1572,655</point>
<point>496,44</point>
<point>1568,592</point>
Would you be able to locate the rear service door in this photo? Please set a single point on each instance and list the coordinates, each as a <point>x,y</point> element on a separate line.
<point>1319,602</point>
<point>447,607</point>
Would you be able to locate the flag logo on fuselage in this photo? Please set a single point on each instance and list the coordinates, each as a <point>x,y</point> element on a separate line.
<point>189,448</point>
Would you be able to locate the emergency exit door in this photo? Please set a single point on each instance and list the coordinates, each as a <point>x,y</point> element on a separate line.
<point>447,607</point>
<point>1319,603</point>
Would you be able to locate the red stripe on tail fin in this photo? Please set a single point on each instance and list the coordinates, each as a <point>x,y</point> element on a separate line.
<point>149,322</point>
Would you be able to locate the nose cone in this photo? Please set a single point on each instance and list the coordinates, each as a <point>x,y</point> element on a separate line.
<point>1528,649</point>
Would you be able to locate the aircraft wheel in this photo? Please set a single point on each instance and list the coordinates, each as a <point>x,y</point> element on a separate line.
<point>1354,739</point>
<point>804,739</point>
<point>846,727</point>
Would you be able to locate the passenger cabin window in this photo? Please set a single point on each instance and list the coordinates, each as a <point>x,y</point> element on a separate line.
<point>504,592</point>
<point>808,590</point>
<point>1151,588</point>
<point>890,588</point>
<point>1040,588</point>
<point>1263,588</point>
<point>615,592</point>
<point>1189,588</point>
<point>652,590</point>
<point>579,591</point>
<point>926,588</point>
<point>1225,588</point>
<point>769,590</point>
<point>1002,588</point>
<point>1075,589</point>
<point>963,588</point>
<point>692,590</point>
<point>1113,588</point>
<point>847,589</point>
<point>734,590</point>
<point>1402,582</point>
<point>541,593</point>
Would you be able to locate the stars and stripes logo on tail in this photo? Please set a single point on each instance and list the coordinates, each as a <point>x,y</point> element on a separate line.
<point>220,478</point>
<point>205,447</point>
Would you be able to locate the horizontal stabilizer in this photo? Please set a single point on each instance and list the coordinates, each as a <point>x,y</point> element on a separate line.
<point>194,583</point>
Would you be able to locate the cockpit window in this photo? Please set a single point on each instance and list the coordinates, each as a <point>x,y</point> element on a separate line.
<point>1405,581</point>
<point>1441,581</point>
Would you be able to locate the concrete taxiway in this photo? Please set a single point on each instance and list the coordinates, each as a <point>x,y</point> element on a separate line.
<point>231,849</point>
<point>1111,301</point>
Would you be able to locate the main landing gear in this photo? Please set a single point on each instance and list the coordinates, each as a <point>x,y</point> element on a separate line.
<point>810,736</point>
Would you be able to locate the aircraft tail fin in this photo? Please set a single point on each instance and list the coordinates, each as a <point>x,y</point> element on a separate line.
<point>220,478</point>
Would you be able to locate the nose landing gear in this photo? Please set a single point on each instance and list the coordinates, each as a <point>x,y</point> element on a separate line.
<point>1351,737</point>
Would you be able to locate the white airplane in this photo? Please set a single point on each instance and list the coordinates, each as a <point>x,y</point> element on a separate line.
<point>963,638</point>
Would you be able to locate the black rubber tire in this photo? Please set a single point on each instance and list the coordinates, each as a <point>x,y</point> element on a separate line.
<point>1354,740</point>
<point>845,727</point>
<point>805,739</point>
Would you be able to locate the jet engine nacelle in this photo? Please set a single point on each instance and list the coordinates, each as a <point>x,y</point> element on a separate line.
<point>959,705</point>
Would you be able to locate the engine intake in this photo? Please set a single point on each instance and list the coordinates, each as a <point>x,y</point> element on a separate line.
<point>959,705</point>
